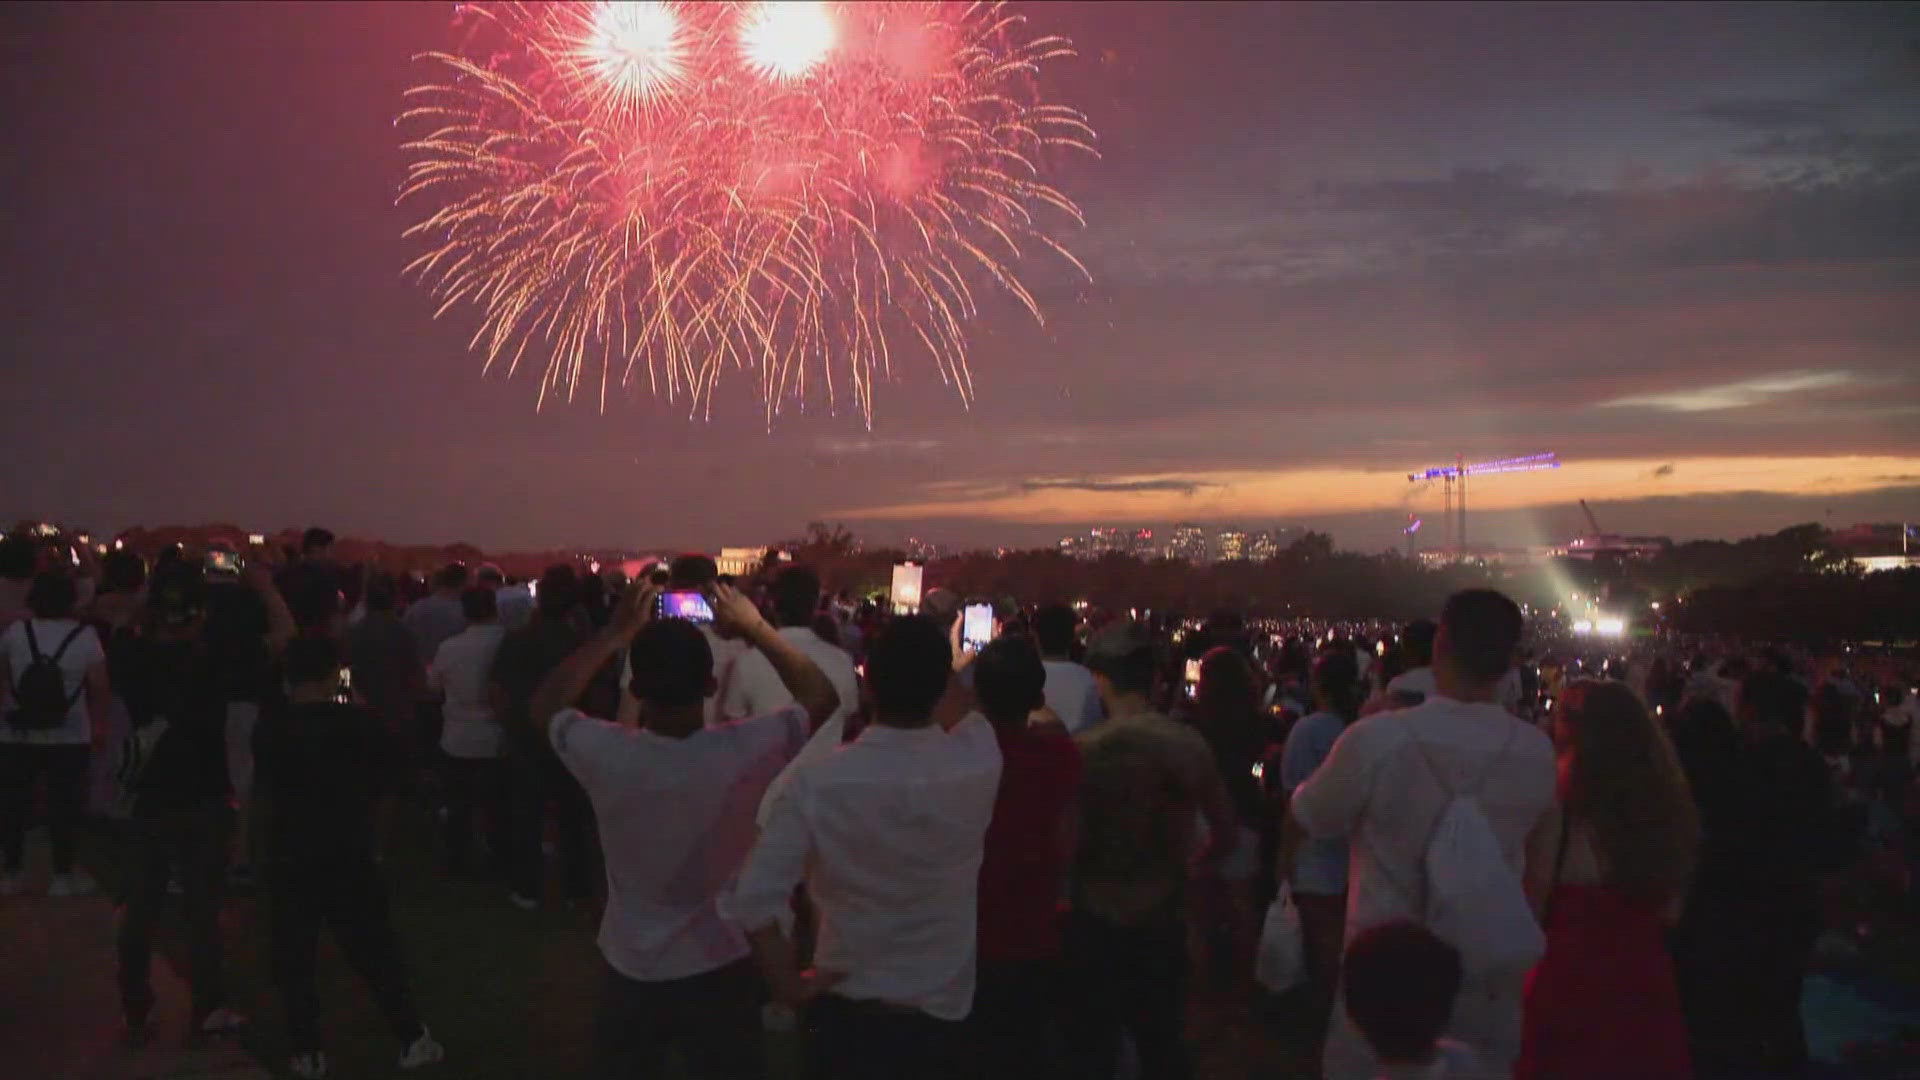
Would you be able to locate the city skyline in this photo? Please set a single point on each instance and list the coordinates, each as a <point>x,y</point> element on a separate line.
<point>1329,244</point>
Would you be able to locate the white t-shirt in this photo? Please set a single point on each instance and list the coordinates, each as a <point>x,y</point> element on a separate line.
<point>676,821</point>
<point>1378,789</point>
<point>756,690</point>
<point>888,834</point>
<point>460,668</point>
<point>80,657</point>
<point>1072,695</point>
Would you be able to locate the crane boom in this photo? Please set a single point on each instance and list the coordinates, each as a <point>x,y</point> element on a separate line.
<point>1591,520</point>
<point>1457,473</point>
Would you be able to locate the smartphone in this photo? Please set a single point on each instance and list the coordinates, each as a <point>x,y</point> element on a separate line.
<point>688,604</point>
<point>223,562</point>
<point>344,692</point>
<point>976,627</point>
<point>1193,671</point>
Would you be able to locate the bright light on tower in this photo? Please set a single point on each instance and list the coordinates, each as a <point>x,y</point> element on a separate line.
<point>784,40</point>
<point>633,48</point>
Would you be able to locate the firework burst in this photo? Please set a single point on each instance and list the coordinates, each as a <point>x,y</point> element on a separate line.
<point>797,190</point>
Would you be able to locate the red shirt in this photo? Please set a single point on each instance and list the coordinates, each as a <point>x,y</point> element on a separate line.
<point>1026,850</point>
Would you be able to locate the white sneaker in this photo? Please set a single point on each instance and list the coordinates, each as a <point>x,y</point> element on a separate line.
<point>12,884</point>
<point>524,903</point>
<point>222,1021</point>
<point>309,1066</point>
<point>74,884</point>
<point>424,1051</point>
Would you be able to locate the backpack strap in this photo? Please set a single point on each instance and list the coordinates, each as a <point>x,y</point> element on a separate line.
<point>33,643</point>
<point>64,642</point>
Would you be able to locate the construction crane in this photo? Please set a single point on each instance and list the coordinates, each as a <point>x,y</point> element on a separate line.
<point>1457,473</point>
<point>1591,520</point>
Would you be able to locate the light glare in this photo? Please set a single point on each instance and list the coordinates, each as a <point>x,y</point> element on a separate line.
<point>784,40</point>
<point>633,47</point>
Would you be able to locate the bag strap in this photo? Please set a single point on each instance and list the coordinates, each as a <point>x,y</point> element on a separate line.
<point>33,643</point>
<point>66,641</point>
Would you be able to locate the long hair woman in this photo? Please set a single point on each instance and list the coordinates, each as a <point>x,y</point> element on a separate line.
<point>1614,860</point>
<point>1226,711</point>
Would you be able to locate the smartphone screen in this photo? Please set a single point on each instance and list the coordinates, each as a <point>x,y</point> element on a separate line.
<point>976,627</point>
<point>343,693</point>
<point>1193,671</point>
<point>223,562</point>
<point>687,604</point>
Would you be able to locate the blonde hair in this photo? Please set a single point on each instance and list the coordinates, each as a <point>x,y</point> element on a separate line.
<point>1625,787</point>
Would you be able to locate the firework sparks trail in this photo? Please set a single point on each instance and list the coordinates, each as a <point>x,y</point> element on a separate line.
<point>799,190</point>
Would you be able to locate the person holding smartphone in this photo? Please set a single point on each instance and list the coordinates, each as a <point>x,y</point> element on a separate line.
<point>674,799</point>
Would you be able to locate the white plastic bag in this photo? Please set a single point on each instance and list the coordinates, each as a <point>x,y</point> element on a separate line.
<point>1280,964</point>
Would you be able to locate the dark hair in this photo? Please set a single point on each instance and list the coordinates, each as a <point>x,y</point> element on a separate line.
<point>177,595</point>
<point>1417,641</point>
<point>1769,697</point>
<point>827,628</point>
<point>478,604</point>
<point>490,576</point>
<point>907,668</point>
<point>1054,626</point>
<point>796,595</point>
<point>1832,720</point>
<point>383,592</point>
<point>559,591</point>
<point>1009,680</point>
<point>672,664</point>
<point>122,572</point>
<point>1228,691</point>
<point>1483,629</point>
<point>694,571</point>
<point>1337,675</point>
<point>18,556</point>
<point>1400,984</point>
<point>52,595</point>
<point>312,658</point>
<point>315,537</point>
<point>1125,655</point>
<point>451,576</point>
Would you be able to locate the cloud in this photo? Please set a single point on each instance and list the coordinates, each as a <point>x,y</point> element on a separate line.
<point>1770,113</point>
<point>1174,485</point>
<point>1662,472</point>
<point>1734,395</point>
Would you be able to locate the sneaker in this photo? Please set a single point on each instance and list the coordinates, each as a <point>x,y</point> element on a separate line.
<point>524,903</point>
<point>424,1051</point>
<point>12,884</point>
<point>308,1066</point>
<point>76,883</point>
<point>222,1021</point>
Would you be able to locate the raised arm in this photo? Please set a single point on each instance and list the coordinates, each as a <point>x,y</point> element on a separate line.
<point>802,677</point>
<point>564,684</point>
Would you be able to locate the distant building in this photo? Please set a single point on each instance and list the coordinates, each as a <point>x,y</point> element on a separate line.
<point>924,551</point>
<point>1109,540</point>
<point>1266,544</point>
<point>1188,543</point>
<point>739,562</point>
<point>1230,545</point>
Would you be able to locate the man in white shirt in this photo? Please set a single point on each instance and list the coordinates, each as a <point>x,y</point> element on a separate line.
<point>54,741</point>
<point>514,601</point>
<point>674,799</point>
<point>471,738</point>
<point>889,834</point>
<point>757,689</point>
<point>1382,788</point>
<point>1071,692</point>
<point>694,573</point>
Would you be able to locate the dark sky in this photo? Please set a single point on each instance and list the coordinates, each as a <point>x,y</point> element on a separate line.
<point>1678,244</point>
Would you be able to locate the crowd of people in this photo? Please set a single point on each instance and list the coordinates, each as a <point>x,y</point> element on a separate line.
<point>940,857</point>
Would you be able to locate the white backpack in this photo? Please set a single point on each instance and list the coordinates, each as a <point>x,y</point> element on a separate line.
<point>1474,900</point>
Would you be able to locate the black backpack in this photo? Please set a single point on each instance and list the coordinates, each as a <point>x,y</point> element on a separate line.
<point>40,698</point>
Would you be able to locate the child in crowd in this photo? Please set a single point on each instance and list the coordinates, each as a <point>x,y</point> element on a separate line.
<point>1400,984</point>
